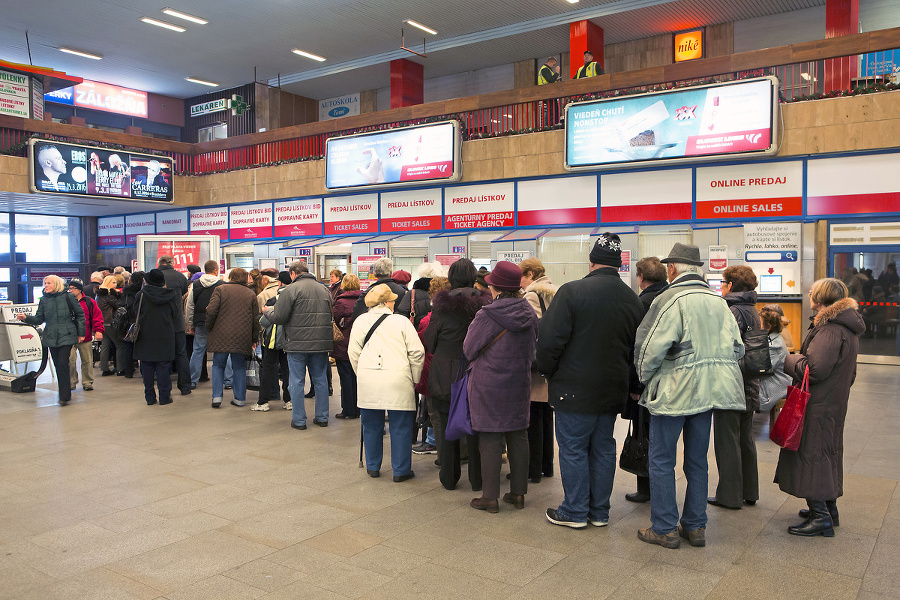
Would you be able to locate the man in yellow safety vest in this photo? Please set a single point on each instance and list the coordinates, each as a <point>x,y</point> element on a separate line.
<point>590,68</point>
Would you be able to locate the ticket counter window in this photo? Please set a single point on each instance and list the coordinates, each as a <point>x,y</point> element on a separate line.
<point>565,258</point>
<point>877,295</point>
<point>326,263</point>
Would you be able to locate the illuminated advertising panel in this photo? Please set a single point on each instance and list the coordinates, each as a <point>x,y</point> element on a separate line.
<point>102,96</point>
<point>404,156</point>
<point>698,123</point>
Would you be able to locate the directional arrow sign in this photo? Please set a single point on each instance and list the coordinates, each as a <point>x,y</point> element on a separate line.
<point>26,337</point>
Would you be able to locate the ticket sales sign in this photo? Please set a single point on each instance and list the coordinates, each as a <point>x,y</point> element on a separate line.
<point>479,206</point>
<point>347,215</point>
<point>295,218</point>
<point>210,221</point>
<point>416,210</point>
<point>752,190</point>
<point>250,221</point>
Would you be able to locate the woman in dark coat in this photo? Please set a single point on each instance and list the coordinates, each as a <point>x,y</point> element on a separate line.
<point>159,317</point>
<point>232,320</point>
<point>343,316</point>
<point>108,301</point>
<point>129,301</point>
<point>500,345</point>
<point>63,318</point>
<point>451,313</point>
<point>816,470</point>
<point>734,444</point>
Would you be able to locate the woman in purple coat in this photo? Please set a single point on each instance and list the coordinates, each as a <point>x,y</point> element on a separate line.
<point>500,347</point>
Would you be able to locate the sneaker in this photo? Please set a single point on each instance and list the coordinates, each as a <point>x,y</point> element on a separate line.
<point>288,406</point>
<point>89,388</point>
<point>556,519</point>
<point>425,448</point>
<point>598,522</point>
<point>669,540</point>
<point>260,407</point>
<point>695,537</point>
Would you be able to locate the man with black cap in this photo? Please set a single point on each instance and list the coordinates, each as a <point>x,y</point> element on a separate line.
<point>686,354</point>
<point>584,348</point>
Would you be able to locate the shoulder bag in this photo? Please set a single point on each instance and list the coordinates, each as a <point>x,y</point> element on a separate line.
<point>459,421</point>
<point>757,361</point>
<point>336,334</point>
<point>788,428</point>
<point>135,330</point>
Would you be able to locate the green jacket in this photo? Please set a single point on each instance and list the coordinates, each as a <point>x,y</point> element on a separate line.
<point>687,350</point>
<point>63,316</point>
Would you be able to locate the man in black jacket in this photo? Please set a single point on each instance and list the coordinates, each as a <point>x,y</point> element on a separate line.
<point>585,349</point>
<point>382,269</point>
<point>177,281</point>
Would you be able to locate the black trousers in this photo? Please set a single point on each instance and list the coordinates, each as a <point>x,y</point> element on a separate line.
<point>540,441</point>
<point>347,377</point>
<point>60,356</point>
<point>490,446</point>
<point>448,451</point>
<point>274,367</point>
<point>181,363</point>
<point>161,374</point>
<point>735,457</point>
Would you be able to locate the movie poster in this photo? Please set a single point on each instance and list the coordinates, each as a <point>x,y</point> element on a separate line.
<point>60,168</point>
<point>150,179</point>
<point>109,173</point>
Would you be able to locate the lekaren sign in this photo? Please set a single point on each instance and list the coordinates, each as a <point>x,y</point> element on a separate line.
<point>209,107</point>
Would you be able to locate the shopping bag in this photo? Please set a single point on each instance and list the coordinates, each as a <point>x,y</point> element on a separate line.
<point>459,422</point>
<point>253,372</point>
<point>788,427</point>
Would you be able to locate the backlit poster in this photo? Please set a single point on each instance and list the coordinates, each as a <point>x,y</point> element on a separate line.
<point>59,168</point>
<point>109,173</point>
<point>150,178</point>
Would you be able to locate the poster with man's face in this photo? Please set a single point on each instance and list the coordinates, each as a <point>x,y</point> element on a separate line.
<point>59,168</point>
<point>109,173</point>
<point>150,178</point>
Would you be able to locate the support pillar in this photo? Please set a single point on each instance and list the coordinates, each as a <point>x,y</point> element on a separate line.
<point>407,83</point>
<point>584,35</point>
<point>841,18</point>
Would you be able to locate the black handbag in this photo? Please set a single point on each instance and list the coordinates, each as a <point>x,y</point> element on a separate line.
<point>635,456</point>
<point>756,362</point>
<point>135,330</point>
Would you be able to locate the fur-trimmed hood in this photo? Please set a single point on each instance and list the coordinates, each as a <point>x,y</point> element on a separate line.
<point>845,312</point>
<point>463,302</point>
<point>543,287</point>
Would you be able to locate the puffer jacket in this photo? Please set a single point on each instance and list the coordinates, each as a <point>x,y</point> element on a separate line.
<point>687,351</point>
<point>390,364</point>
<point>743,307</point>
<point>500,378</point>
<point>56,310</point>
<point>232,319</point>
<point>304,308</point>
<point>451,313</point>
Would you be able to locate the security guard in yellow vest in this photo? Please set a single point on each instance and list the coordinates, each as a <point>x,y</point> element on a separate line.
<point>549,73</point>
<point>590,68</point>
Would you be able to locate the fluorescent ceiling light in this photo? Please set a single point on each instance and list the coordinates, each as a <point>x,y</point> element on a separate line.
<point>174,13</point>
<point>572,1</point>
<point>201,82</point>
<point>80,53</point>
<point>422,27</point>
<point>150,21</point>
<point>308,55</point>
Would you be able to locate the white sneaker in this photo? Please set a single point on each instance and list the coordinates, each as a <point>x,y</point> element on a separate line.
<point>260,407</point>
<point>288,406</point>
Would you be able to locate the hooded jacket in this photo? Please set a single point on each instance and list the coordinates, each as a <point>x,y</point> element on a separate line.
<point>500,378</point>
<point>160,313</point>
<point>743,307</point>
<point>540,289</point>
<point>816,470</point>
<point>423,301</point>
<point>198,299</point>
<point>304,308</point>
<point>451,313</point>
<point>686,352</point>
<point>63,318</point>
<point>585,343</point>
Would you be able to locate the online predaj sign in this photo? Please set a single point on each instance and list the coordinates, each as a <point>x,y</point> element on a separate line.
<point>342,106</point>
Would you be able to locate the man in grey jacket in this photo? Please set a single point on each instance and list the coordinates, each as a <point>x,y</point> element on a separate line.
<point>304,309</point>
<point>686,354</point>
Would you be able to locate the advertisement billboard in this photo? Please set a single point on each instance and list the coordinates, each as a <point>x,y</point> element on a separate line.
<point>102,96</point>
<point>403,156</point>
<point>696,123</point>
<point>69,169</point>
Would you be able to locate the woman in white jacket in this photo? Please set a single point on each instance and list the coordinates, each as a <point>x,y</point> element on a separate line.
<point>388,366</point>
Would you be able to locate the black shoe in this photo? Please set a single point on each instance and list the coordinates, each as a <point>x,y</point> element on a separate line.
<point>63,402</point>
<point>310,394</point>
<point>750,502</point>
<point>399,478</point>
<point>186,392</point>
<point>321,423</point>
<point>300,427</point>
<point>203,380</point>
<point>818,523</point>
<point>120,373</point>
<point>373,473</point>
<point>341,415</point>
<point>217,404</point>
<point>832,510</point>
<point>165,401</point>
<point>228,386</point>
<point>715,502</point>
<point>638,497</point>
<point>107,373</point>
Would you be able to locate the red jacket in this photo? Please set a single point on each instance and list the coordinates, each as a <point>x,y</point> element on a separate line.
<point>93,317</point>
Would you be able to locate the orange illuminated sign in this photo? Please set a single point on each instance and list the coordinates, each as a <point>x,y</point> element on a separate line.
<point>689,45</point>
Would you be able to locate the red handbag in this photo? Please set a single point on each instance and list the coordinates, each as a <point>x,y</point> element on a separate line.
<point>788,428</point>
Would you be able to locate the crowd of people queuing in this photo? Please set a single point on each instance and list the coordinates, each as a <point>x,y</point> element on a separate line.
<point>534,361</point>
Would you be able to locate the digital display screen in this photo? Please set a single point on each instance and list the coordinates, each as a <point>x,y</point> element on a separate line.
<point>692,123</point>
<point>770,284</point>
<point>402,156</point>
<point>60,168</point>
<point>715,282</point>
<point>102,96</point>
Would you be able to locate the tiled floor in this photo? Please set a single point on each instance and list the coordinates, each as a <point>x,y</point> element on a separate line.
<point>110,498</point>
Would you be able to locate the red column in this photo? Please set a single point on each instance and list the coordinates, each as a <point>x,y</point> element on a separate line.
<point>841,18</point>
<point>584,35</point>
<point>407,83</point>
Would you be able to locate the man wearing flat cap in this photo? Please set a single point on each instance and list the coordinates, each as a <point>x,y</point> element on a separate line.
<point>686,354</point>
<point>584,348</point>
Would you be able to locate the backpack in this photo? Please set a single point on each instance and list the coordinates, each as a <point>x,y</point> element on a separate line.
<point>757,361</point>
<point>122,320</point>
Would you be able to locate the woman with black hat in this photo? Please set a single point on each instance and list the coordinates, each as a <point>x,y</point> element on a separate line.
<point>500,347</point>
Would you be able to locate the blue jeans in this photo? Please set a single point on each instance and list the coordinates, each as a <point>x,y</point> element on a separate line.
<point>318,364</point>
<point>401,428</point>
<point>587,464</point>
<point>198,356</point>
<point>664,433</point>
<point>238,377</point>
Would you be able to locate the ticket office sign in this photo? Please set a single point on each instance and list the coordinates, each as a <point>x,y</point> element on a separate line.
<point>347,215</point>
<point>416,210</point>
<point>752,190</point>
<point>479,206</point>
<point>110,231</point>
<point>174,222</point>
<point>250,222</point>
<point>210,221</point>
<point>136,225</point>
<point>295,218</point>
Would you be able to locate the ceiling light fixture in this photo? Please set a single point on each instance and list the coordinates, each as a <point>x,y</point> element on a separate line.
<point>80,53</point>
<point>308,55</point>
<point>572,1</point>
<point>180,15</point>
<point>201,82</point>
<point>163,24</point>
<point>420,26</point>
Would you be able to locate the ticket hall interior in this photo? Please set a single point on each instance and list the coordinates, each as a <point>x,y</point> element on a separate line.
<point>764,132</point>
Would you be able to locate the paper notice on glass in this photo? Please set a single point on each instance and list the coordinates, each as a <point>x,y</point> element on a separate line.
<point>652,115</point>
